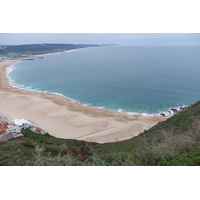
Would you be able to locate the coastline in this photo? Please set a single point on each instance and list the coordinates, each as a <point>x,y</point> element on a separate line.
<point>58,52</point>
<point>66,119</point>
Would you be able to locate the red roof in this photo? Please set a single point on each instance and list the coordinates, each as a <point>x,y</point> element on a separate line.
<point>39,129</point>
<point>2,132</point>
<point>3,127</point>
<point>3,123</point>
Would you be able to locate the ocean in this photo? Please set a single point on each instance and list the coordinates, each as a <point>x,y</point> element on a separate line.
<point>144,79</point>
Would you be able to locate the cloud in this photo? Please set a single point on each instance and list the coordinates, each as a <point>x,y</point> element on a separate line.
<point>102,38</point>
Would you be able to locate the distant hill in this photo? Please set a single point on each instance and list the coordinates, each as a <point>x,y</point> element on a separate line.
<point>41,48</point>
<point>174,142</point>
<point>1,45</point>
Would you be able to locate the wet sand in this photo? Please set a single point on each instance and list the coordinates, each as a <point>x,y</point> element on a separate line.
<point>65,119</point>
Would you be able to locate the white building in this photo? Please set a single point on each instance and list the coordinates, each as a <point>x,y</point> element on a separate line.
<point>22,123</point>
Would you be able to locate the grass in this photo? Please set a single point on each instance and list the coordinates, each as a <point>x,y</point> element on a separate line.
<point>20,151</point>
<point>178,134</point>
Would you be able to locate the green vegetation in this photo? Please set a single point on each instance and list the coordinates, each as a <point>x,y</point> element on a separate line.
<point>174,142</point>
<point>42,48</point>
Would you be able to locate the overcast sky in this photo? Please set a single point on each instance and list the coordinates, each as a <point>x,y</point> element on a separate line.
<point>102,38</point>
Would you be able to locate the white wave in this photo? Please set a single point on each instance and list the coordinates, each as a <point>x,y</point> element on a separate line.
<point>147,114</point>
<point>9,69</point>
<point>100,107</point>
<point>85,104</point>
<point>59,94</point>
<point>169,111</point>
<point>137,113</point>
<point>143,114</point>
<point>29,87</point>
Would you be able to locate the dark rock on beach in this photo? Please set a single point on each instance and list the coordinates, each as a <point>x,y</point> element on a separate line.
<point>174,110</point>
<point>162,114</point>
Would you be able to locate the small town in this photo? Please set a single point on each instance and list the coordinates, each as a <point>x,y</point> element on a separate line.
<point>13,129</point>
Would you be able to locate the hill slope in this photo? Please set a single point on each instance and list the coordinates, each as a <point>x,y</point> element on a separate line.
<point>42,48</point>
<point>176,136</point>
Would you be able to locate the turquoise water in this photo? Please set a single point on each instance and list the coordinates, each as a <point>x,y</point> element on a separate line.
<point>124,78</point>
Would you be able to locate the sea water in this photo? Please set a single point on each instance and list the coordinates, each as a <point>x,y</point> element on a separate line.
<point>143,79</point>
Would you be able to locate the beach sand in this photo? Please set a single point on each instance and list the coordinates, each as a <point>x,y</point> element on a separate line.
<point>65,119</point>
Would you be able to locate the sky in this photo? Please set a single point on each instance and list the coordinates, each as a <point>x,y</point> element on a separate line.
<point>101,38</point>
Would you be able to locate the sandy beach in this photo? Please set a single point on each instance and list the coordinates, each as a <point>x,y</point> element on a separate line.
<point>65,119</point>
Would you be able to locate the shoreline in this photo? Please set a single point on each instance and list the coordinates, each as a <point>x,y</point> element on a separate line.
<point>66,119</point>
<point>58,52</point>
<point>167,113</point>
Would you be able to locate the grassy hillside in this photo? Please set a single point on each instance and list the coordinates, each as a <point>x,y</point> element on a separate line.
<point>180,124</point>
<point>177,136</point>
<point>175,141</point>
<point>42,48</point>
